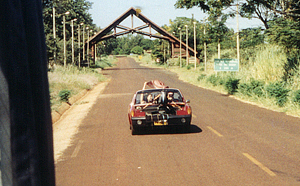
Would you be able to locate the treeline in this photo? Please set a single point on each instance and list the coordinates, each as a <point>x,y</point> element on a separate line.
<point>280,18</point>
<point>76,10</point>
<point>270,56</point>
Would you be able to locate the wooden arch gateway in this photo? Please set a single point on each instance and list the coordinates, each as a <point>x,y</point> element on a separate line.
<point>162,34</point>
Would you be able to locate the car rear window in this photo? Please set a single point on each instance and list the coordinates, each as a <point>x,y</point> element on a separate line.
<point>143,96</point>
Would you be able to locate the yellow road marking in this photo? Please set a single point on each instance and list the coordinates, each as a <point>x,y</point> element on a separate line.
<point>194,116</point>
<point>214,131</point>
<point>267,170</point>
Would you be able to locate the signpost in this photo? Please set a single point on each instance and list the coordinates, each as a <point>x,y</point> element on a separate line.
<point>226,64</point>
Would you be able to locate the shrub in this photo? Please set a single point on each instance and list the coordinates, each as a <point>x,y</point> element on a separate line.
<point>296,97</point>
<point>202,76</point>
<point>244,89</point>
<point>231,85</point>
<point>64,95</point>
<point>189,67</point>
<point>213,79</point>
<point>137,50</point>
<point>103,63</point>
<point>255,87</point>
<point>278,91</point>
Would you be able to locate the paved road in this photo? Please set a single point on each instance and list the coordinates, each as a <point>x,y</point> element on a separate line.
<point>230,142</point>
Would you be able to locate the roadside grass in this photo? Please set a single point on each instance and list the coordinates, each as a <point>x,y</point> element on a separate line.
<point>67,82</point>
<point>259,80</point>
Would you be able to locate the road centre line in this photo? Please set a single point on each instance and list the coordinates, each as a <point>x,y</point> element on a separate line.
<point>77,148</point>
<point>115,95</point>
<point>214,131</point>
<point>260,165</point>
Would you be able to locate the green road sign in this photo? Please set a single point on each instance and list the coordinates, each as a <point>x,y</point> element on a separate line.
<point>226,65</point>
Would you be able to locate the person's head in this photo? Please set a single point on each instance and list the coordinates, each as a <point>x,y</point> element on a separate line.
<point>170,96</point>
<point>149,98</point>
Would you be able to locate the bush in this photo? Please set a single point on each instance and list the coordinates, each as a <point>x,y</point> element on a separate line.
<point>278,91</point>
<point>64,95</point>
<point>231,85</point>
<point>244,89</point>
<point>189,67</point>
<point>296,97</point>
<point>213,79</point>
<point>137,50</point>
<point>255,87</point>
<point>103,63</point>
<point>202,76</point>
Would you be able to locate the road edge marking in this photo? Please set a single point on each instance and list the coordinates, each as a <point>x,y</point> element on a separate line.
<point>260,165</point>
<point>214,131</point>
<point>77,148</point>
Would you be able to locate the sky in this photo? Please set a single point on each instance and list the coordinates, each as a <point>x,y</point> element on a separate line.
<point>104,12</point>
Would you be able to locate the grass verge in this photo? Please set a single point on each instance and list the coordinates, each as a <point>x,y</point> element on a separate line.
<point>67,82</point>
<point>267,91</point>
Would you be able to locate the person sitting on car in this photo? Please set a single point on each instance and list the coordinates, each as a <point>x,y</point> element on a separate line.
<point>149,98</point>
<point>171,100</point>
<point>149,101</point>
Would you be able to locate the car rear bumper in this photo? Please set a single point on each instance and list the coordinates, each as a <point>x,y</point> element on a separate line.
<point>162,120</point>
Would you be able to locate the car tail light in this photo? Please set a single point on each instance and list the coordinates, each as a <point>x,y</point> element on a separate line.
<point>136,112</point>
<point>189,110</point>
<point>132,113</point>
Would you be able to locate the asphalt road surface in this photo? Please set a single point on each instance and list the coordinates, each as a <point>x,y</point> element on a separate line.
<point>230,142</point>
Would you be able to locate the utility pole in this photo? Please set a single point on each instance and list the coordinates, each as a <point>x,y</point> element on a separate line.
<point>180,49</point>
<point>219,45</point>
<point>88,46</point>
<point>187,45</point>
<point>64,30</point>
<point>65,53</point>
<point>237,32</point>
<point>195,47</point>
<point>205,57</point>
<point>83,53</point>
<point>72,27</point>
<point>54,34</point>
<point>79,45</point>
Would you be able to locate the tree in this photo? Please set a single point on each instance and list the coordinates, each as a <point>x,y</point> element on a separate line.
<point>159,51</point>
<point>257,9</point>
<point>265,10</point>
<point>284,32</point>
<point>137,50</point>
<point>251,37</point>
<point>147,44</point>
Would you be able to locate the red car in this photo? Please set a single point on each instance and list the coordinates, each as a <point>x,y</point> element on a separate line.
<point>159,106</point>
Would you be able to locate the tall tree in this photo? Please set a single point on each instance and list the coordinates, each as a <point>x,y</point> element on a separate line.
<point>265,10</point>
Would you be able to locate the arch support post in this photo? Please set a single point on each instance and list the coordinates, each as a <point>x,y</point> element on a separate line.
<point>93,50</point>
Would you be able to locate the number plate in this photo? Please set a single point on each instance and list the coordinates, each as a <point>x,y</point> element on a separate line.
<point>161,123</point>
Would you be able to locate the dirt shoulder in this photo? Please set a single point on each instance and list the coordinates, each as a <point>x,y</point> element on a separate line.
<point>68,124</point>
